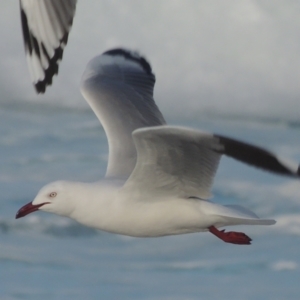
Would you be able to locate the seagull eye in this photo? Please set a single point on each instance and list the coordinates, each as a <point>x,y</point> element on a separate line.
<point>52,195</point>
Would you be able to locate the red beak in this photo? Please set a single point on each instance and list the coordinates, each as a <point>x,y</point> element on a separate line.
<point>28,209</point>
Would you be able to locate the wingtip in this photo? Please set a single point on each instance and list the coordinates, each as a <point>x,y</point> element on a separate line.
<point>50,72</point>
<point>291,166</point>
<point>132,56</point>
<point>37,45</point>
<point>258,157</point>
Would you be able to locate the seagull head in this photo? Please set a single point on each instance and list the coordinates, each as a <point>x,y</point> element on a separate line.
<point>52,198</point>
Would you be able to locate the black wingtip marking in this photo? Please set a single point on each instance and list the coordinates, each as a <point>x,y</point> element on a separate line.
<point>133,56</point>
<point>25,30</point>
<point>31,45</point>
<point>254,156</point>
<point>52,70</point>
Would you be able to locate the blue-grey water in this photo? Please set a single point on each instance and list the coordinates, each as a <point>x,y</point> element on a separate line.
<point>43,256</point>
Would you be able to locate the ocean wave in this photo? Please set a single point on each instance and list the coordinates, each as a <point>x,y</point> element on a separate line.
<point>37,110</point>
<point>280,198</point>
<point>60,158</point>
<point>244,117</point>
<point>289,223</point>
<point>53,226</point>
<point>284,265</point>
<point>219,266</point>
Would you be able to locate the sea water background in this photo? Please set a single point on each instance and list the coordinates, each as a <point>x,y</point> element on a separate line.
<point>229,67</point>
<point>44,256</point>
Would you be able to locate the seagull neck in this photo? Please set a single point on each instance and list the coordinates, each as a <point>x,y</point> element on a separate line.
<point>94,202</point>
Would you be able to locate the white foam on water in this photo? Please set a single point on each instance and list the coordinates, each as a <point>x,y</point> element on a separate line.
<point>236,61</point>
<point>284,265</point>
<point>288,223</point>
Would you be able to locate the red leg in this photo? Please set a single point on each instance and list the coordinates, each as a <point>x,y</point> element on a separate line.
<point>232,237</point>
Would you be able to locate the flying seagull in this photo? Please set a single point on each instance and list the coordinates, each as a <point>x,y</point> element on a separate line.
<point>159,177</point>
<point>46,25</point>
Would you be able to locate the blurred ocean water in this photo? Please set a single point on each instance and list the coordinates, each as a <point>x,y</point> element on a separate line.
<point>44,256</point>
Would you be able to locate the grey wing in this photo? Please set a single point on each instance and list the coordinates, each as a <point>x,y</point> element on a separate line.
<point>118,85</point>
<point>174,161</point>
<point>46,25</point>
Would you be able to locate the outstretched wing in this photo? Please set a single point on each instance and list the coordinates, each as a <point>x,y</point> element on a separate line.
<point>46,25</point>
<point>174,161</point>
<point>258,157</point>
<point>118,85</point>
<point>182,162</point>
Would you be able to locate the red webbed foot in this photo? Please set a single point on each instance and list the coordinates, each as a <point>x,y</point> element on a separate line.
<point>232,237</point>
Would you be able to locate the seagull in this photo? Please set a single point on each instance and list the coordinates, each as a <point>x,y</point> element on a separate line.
<point>46,25</point>
<point>159,177</point>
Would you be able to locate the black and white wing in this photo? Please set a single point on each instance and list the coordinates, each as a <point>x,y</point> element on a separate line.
<point>182,162</point>
<point>258,157</point>
<point>46,25</point>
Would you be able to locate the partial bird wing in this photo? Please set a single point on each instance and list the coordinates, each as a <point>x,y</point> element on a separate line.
<point>118,85</point>
<point>174,161</point>
<point>182,162</point>
<point>46,25</point>
<point>258,157</point>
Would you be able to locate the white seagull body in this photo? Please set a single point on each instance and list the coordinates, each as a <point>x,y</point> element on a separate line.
<point>46,25</point>
<point>159,177</point>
